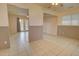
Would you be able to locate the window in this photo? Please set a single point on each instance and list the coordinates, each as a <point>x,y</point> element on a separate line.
<point>66,20</point>
<point>75,19</point>
<point>70,20</point>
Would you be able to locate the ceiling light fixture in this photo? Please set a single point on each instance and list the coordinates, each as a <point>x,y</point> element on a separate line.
<point>54,3</point>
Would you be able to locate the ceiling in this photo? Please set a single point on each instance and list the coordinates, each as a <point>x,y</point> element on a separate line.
<point>17,11</point>
<point>45,15</point>
<point>60,7</point>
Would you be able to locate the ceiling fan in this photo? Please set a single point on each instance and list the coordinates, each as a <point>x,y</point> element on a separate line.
<point>55,6</point>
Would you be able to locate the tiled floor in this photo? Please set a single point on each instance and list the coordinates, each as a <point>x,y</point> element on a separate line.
<point>48,46</point>
<point>18,45</point>
<point>58,46</point>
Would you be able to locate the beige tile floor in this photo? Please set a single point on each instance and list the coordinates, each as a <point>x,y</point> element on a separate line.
<point>48,46</point>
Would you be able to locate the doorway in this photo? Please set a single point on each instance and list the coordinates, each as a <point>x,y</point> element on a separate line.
<point>18,26</point>
<point>49,24</point>
<point>22,24</point>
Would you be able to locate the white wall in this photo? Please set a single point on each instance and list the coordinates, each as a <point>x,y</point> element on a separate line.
<point>4,35</point>
<point>17,11</point>
<point>3,15</point>
<point>50,25</point>
<point>12,23</point>
<point>35,13</point>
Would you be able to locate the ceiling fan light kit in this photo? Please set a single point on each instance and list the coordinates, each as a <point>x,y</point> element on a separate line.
<point>54,3</point>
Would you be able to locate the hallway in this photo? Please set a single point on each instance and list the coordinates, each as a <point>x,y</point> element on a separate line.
<point>49,46</point>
